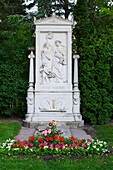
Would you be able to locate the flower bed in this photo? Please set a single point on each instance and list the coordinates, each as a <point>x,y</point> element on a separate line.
<point>50,141</point>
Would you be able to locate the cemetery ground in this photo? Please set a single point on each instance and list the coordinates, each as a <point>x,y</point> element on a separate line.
<point>10,129</point>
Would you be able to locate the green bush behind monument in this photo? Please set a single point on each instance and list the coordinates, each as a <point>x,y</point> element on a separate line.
<point>93,43</point>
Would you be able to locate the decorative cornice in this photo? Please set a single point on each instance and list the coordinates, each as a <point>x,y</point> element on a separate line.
<point>53,20</point>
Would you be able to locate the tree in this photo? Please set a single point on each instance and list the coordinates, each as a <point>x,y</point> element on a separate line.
<point>15,40</point>
<point>94,68</point>
<point>60,7</point>
<point>11,7</point>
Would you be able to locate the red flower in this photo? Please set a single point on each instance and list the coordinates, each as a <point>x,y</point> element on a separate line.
<point>61,139</point>
<point>32,138</point>
<point>46,139</point>
<point>72,138</point>
<point>56,137</point>
<point>40,140</point>
<point>50,139</point>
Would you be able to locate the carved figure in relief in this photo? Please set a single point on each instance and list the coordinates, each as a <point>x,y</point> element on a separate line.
<point>46,58</point>
<point>59,61</point>
<point>53,61</point>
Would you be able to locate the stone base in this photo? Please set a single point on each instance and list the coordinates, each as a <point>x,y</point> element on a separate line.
<point>71,124</point>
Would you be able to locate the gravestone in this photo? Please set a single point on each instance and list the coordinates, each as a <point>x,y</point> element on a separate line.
<point>53,96</point>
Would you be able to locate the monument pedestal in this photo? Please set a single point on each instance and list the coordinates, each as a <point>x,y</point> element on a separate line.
<point>53,97</point>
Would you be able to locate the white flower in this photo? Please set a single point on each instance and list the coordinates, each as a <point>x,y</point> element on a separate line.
<point>26,147</point>
<point>105,143</point>
<point>9,144</point>
<point>12,140</point>
<point>31,150</point>
<point>45,147</point>
<point>4,144</point>
<point>101,145</point>
<point>94,146</point>
<point>97,149</point>
<point>8,147</point>
<point>16,149</point>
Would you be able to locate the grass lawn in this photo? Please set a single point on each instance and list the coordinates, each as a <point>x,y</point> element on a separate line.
<point>35,162</point>
<point>8,130</point>
<point>32,162</point>
<point>105,133</point>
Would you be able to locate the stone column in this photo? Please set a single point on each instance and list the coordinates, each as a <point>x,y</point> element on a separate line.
<point>30,92</point>
<point>76,57</point>
<point>31,71</point>
<point>76,93</point>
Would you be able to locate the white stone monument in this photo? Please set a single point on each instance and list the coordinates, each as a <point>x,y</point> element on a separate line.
<point>53,96</point>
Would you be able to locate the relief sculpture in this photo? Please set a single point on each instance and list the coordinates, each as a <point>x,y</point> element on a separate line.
<point>53,105</point>
<point>53,61</point>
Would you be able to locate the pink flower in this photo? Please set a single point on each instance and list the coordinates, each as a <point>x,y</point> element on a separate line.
<point>18,140</point>
<point>49,131</point>
<point>63,145</point>
<point>51,145</point>
<point>45,142</point>
<point>31,144</point>
<point>45,133</point>
<point>26,145</point>
<point>89,140</point>
<point>76,146</point>
<point>83,145</point>
<point>57,146</point>
<point>70,147</point>
<point>52,121</point>
<point>42,132</point>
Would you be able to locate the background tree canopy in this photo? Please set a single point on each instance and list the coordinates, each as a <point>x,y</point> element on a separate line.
<point>94,38</point>
<point>94,43</point>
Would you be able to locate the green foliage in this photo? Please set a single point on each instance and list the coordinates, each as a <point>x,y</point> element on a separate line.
<point>16,38</point>
<point>92,45</point>
<point>11,7</point>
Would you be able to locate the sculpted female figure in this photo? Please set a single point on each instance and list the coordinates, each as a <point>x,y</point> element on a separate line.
<point>46,60</point>
<point>59,61</point>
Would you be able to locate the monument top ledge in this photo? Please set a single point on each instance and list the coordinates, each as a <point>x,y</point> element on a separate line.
<point>53,20</point>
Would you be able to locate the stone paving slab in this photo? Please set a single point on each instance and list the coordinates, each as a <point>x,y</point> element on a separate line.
<point>79,133</point>
<point>67,132</point>
<point>25,133</point>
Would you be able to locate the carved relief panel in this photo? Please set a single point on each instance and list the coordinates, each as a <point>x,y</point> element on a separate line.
<point>56,104</point>
<point>53,58</point>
